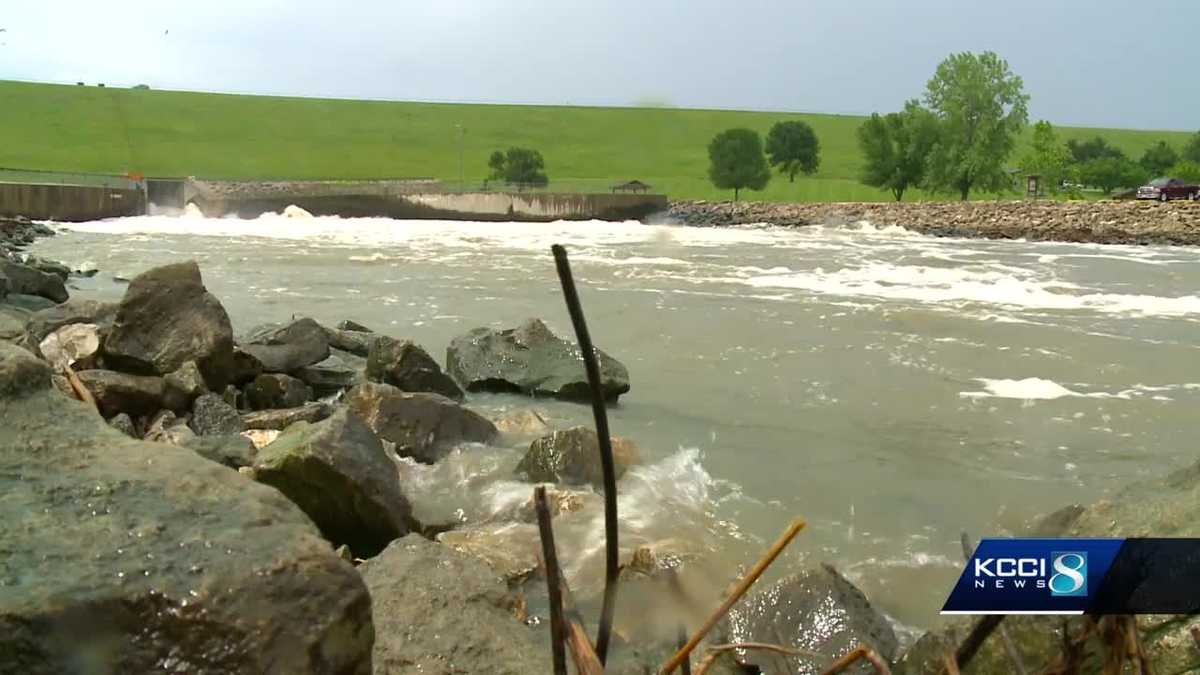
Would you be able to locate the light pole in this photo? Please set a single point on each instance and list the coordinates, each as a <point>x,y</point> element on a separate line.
<point>462,183</point>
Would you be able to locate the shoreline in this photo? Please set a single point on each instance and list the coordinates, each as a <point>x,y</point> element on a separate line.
<point>1103,222</point>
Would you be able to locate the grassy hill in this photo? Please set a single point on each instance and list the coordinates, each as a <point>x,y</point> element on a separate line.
<point>162,133</point>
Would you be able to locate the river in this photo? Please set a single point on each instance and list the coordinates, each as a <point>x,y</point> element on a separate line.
<point>893,389</point>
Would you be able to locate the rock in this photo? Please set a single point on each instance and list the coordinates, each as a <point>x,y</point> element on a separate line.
<point>408,367</point>
<point>279,420</point>
<point>523,423</point>
<point>122,423</point>
<point>816,610</point>
<point>165,427</point>
<point>46,321</point>
<point>529,359</point>
<point>509,549</point>
<point>182,387</point>
<point>284,348</point>
<point>127,557</point>
<point>3,285</point>
<point>353,341</point>
<point>271,391</point>
<point>440,612</point>
<point>423,426</point>
<point>30,281</point>
<point>339,372</point>
<point>347,324</point>
<point>49,267</point>
<point>12,323</point>
<point>337,472</point>
<point>260,437</point>
<point>73,344</point>
<point>212,416</point>
<point>245,367</point>
<point>572,456</point>
<point>30,303</point>
<point>234,451</point>
<point>168,318</point>
<point>121,393</point>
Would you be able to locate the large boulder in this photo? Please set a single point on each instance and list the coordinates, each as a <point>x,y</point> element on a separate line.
<point>31,281</point>
<point>530,359</point>
<point>1162,507</point>
<point>407,366</point>
<point>12,323</point>
<point>423,426</point>
<point>357,342</point>
<point>284,348</point>
<point>339,372</point>
<point>440,612</point>
<point>75,310</point>
<point>182,387</point>
<point>572,457</point>
<point>168,318</point>
<point>127,557</point>
<point>338,472</point>
<point>116,393</point>
<point>280,419</point>
<point>270,391</point>
<point>817,611</point>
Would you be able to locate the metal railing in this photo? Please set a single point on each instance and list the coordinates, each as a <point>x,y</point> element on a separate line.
<point>37,177</point>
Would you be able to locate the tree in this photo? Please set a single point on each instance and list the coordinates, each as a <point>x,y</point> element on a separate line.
<point>981,107</point>
<point>1158,158</point>
<point>1187,171</point>
<point>1047,157</point>
<point>1191,151</point>
<point>793,147</point>
<point>1096,148</point>
<point>896,147</point>
<point>520,166</point>
<point>1110,173</point>
<point>736,161</point>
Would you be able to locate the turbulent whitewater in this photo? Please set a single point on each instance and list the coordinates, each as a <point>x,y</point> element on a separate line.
<point>892,388</point>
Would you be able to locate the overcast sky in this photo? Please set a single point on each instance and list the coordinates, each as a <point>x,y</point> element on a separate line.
<point>1085,62</point>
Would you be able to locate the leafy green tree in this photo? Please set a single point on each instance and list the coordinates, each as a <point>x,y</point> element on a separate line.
<point>981,107</point>
<point>793,148</point>
<point>1047,156</point>
<point>896,147</point>
<point>1191,151</point>
<point>736,161</point>
<point>1095,148</point>
<point>1187,170</point>
<point>1110,173</point>
<point>520,166</point>
<point>1158,158</point>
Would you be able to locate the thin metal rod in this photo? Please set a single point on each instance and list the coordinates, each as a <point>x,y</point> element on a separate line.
<point>550,556</point>
<point>611,560</point>
<point>736,594</point>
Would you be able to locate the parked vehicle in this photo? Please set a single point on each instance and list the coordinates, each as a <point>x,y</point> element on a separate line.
<point>1166,189</point>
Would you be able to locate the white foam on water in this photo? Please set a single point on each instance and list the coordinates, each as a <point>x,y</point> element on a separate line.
<point>1036,388</point>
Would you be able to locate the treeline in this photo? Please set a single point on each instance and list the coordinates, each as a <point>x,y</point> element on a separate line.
<point>958,138</point>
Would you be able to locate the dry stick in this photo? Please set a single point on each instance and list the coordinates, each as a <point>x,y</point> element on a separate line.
<point>586,661</point>
<point>738,591</point>
<point>861,652</point>
<point>80,390</point>
<point>1009,647</point>
<point>550,556</point>
<point>612,563</point>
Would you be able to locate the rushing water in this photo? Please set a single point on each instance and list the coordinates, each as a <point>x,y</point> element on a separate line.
<point>893,389</point>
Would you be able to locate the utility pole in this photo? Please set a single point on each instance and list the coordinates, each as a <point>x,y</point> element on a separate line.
<point>462,183</point>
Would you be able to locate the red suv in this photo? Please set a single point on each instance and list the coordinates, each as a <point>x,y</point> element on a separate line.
<point>1166,189</point>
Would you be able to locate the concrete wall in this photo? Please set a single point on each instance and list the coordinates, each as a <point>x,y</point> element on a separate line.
<point>68,202</point>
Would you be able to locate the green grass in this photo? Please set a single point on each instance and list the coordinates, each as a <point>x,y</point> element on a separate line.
<point>162,133</point>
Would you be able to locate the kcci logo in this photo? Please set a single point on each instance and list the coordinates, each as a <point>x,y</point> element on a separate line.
<point>1070,573</point>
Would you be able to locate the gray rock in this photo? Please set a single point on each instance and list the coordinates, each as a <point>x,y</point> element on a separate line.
<point>235,451</point>
<point>31,303</point>
<point>75,345</point>
<point>49,267</point>
<point>284,348</point>
<point>212,416</point>
<point>405,365</point>
<point>127,557</point>
<point>337,472</point>
<point>183,386</point>
<point>168,318</point>
<point>572,456</point>
<point>47,321</point>
<point>353,341</point>
<point>275,390</point>
<point>279,420</point>
<point>122,423</point>
<point>245,367</point>
<point>817,611</point>
<point>3,285</point>
<point>440,612</point>
<point>12,323</point>
<point>347,324</point>
<point>529,359</point>
<point>423,426</point>
<point>117,393</point>
<point>31,281</point>
<point>340,371</point>
<point>165,427</point>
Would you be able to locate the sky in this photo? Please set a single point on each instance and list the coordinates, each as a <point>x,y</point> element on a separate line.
<point>1102,63</point>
